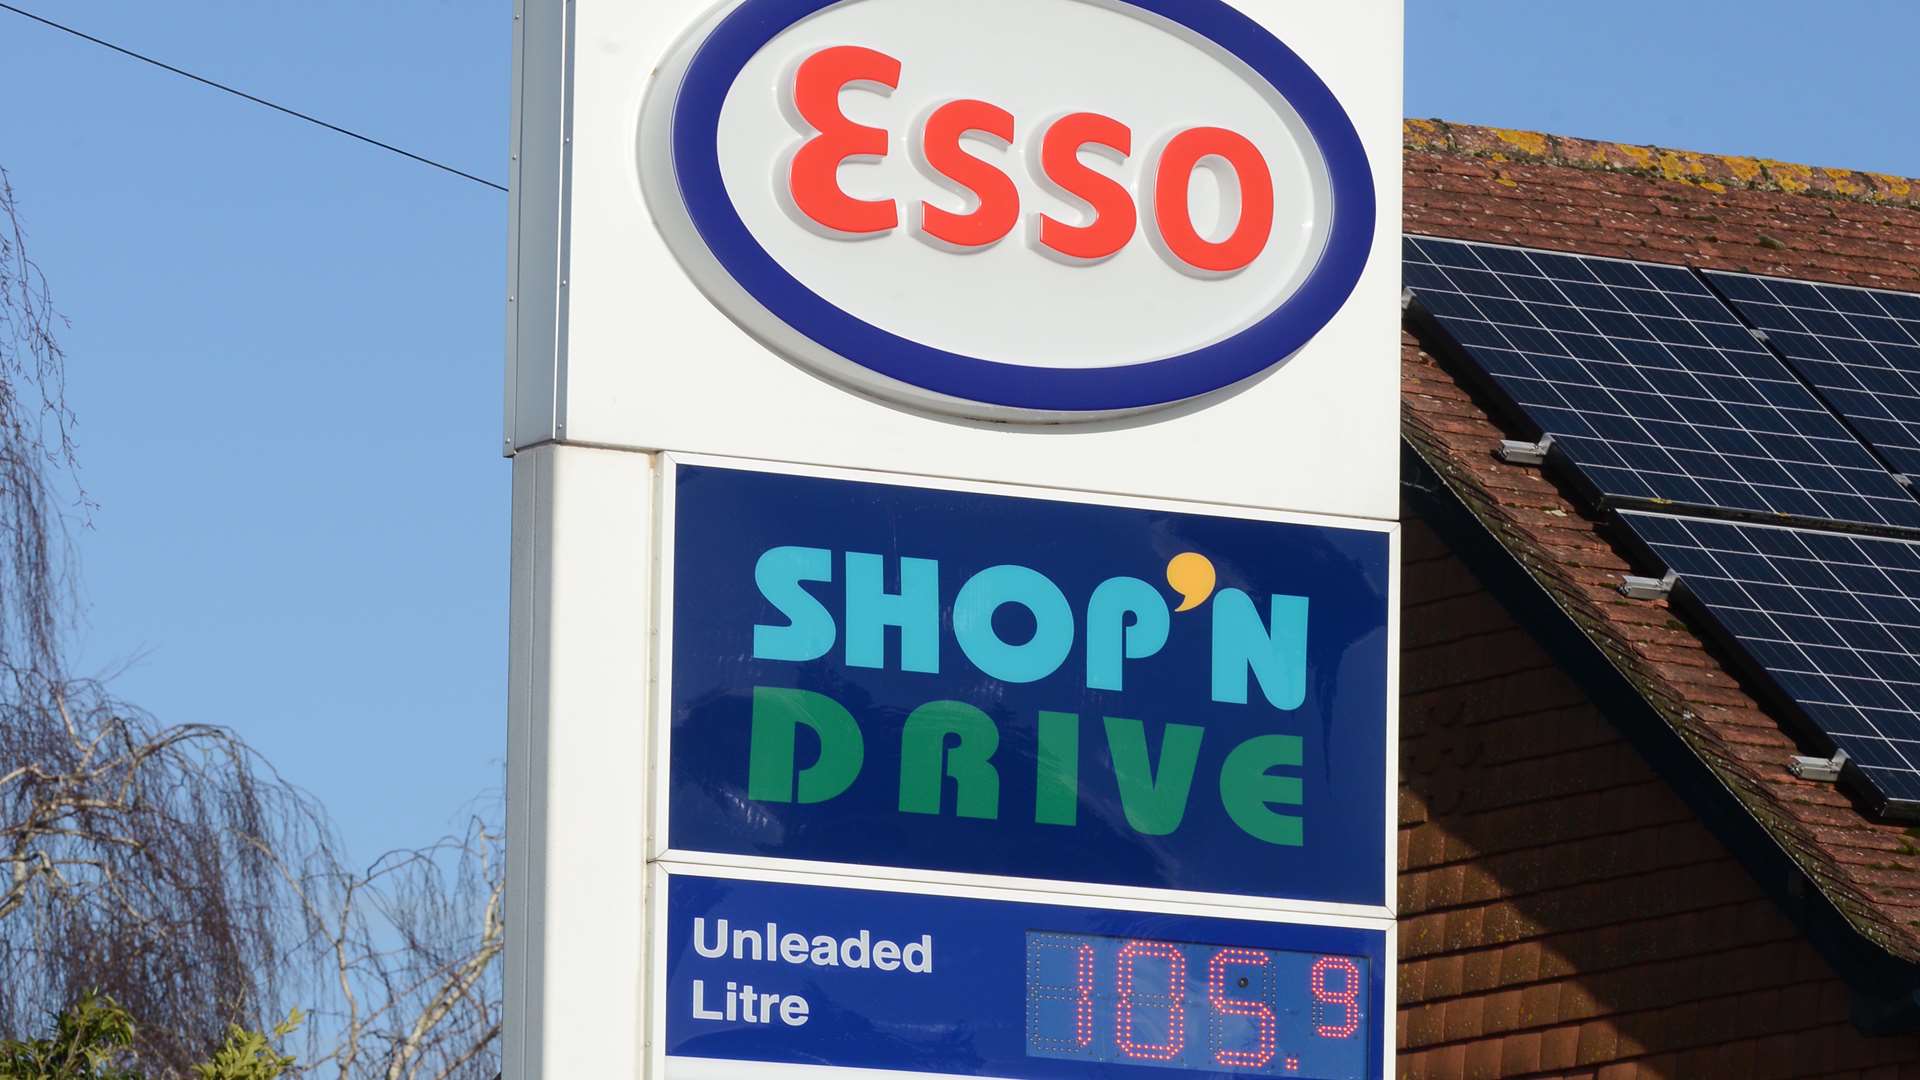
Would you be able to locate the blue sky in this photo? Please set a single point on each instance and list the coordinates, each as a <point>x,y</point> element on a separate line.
<point>286,346</point>
<point>286,362</point>
<point>1818,84</point>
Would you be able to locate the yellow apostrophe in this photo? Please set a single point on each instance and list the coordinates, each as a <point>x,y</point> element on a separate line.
<point>1191,575</point>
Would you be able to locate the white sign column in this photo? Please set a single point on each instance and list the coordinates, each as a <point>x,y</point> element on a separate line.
<point>1138,254</point>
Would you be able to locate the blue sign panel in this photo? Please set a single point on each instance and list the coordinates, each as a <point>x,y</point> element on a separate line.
<point>802,974</point>
<point>939,680</point>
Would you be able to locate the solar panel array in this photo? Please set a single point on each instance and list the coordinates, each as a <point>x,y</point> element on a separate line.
<point>1650,386</point>
<point>1859,348</point>
<point>1833,620</point>
<point>1655,391</point>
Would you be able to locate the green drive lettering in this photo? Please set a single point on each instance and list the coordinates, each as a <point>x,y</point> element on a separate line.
<point>778,716</point>
<point>926,760</point>
<point>1154,802</point>
<point>1246,788</point>
<point>950,746</point>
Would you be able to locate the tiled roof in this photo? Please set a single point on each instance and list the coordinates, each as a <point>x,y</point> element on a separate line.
<point>1706,211</point>
<point>1564,911</point>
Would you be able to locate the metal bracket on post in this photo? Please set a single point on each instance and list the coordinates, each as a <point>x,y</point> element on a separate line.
<point>1514,452</point>
<point>1903,480</point>
<point>1648,588</point>
<point>1406,300</point>
<point>1818,768</point>
<point>1759,335</point>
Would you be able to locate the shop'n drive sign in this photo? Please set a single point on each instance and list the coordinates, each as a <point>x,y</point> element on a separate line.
<point>940,209</point>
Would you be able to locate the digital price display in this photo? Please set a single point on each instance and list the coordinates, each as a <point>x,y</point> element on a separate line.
<point>792,977</point>
<point>1209,1008</point>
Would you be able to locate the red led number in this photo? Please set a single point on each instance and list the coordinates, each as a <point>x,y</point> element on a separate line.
<point>1260,1013</point>
<point>1171,1001</point>
<point>1080,993</point>
<point>1347,996</point>
<point>1083,996</point>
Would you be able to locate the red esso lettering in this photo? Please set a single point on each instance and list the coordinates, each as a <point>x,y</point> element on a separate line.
<point>813,176</point>
<point>939,149</point>
<point>1245,169</point>
<point>1114,217</point>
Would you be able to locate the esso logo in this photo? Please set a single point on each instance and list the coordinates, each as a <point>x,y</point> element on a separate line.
<point>992,197</point>
<point>1010,209</point>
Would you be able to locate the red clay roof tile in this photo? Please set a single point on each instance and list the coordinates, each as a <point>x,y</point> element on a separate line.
<point>1707,211</point>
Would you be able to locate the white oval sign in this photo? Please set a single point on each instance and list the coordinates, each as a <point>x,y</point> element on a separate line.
<point>1052,208</point>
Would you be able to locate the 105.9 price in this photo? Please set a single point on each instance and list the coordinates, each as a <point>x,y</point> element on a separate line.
<point>1208,1008</point>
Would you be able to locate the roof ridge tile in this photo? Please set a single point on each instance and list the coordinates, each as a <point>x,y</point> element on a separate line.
<point>1716,173</point>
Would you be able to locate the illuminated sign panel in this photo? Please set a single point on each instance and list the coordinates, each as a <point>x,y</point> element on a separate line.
<point>901,982</point>
<point>1145,1001</point>
<point>879,675</point>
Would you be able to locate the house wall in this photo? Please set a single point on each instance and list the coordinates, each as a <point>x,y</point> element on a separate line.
<point>1563,914</point>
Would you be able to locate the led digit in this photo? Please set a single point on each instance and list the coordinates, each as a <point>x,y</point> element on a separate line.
<point>1172,1001</point>
<point>1083,1001</point>
<point>1348,997</point>
<point>1224,1006</point>
<point>1080,993</point>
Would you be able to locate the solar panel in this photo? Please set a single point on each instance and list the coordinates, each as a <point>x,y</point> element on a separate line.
<point>1859,348</point>
<point>1832,621</point>
<point>1651,388</point>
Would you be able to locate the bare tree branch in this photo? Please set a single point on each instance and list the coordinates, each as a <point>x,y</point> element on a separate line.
<point>169,867</point>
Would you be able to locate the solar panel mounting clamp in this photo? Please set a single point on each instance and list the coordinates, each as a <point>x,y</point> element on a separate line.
<point>1818,768</point>
<point>1516,452</point>
<point>1648,588</point>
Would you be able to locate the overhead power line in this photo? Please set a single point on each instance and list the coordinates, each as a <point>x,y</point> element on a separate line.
<point>204,81</point>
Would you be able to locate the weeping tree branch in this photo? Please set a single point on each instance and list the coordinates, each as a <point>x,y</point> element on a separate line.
<point>138,868</point>
<point>170,868</point>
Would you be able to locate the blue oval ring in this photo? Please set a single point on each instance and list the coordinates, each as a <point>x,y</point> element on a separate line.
<point>696,157</point>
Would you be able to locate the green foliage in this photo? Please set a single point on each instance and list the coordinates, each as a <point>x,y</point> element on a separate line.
<point>93,1040</point>
<point>90,1042</point>
<point>249,1055</point>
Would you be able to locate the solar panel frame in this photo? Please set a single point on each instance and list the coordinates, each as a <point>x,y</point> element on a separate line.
<point>1655,393</point>
<point>1858,348</point>
<point>1823,625</point>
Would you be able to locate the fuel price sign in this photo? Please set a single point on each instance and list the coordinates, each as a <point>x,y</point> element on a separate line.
<point>1178,1005</point>
<point>893,982</point>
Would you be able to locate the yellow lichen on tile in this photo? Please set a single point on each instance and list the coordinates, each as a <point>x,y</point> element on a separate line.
<point>1598,154</point>
<point>1531,141</point>
<point>1892,187</point>
<point>1717,189</point>
<point>1639,154</point>
<point>1792,178</point>
<point>1676,166</point>
<point>1746,168</point>
<point>1843,181</point>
